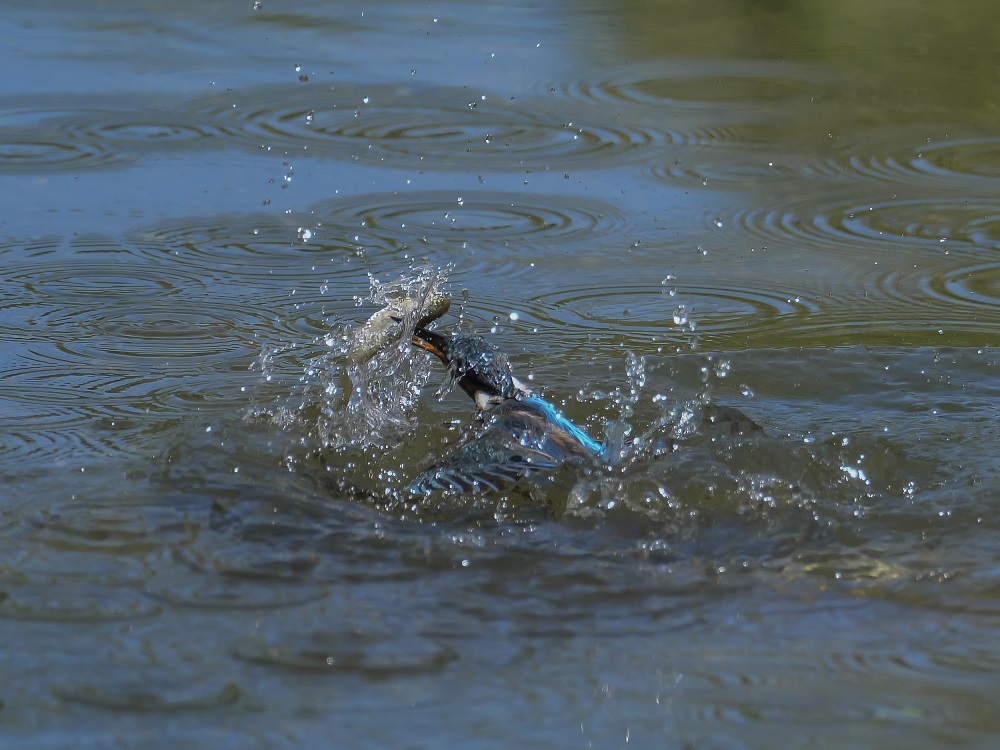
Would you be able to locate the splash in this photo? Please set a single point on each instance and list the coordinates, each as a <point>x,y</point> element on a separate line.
<point>343,400</point>
<point>385,385</point>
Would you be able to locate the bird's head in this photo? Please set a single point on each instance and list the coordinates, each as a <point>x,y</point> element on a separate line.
<point>477,365</point>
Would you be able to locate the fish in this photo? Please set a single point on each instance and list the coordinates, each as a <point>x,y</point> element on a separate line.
<point>396,321</point>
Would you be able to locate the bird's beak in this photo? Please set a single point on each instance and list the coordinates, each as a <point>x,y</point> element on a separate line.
<point>431,342</point>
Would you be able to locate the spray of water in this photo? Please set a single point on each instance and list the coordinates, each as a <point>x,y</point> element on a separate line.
<point>344,401</point>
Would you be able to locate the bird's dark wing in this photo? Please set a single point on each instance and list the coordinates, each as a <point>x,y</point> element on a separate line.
<point>728,419</point>
<point>491,462</point>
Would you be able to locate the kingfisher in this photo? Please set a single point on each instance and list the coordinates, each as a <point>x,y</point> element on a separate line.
<point>524,434</point>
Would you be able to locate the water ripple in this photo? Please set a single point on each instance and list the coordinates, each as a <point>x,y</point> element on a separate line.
<point>975,158</point>
<point>647,314</point>
<point>278,272</point>
<point>136,130</point>
<point>427,127</point>
<point>242,246</point>
<point>52,289</point>
<point>150,689</point>
<point>977,286</point>
<point>120,529</point>
<point>872,303</point>
<point>70,132</point>
<point>943,161</point>
<point>77,603</point>
<point>42,415</point>
<point>715,87</point>
<point>933,224</point>
<point>59,405</point>
<point>226,592</point>
<point>41,151</point>
<point>163,330</point>
<point>118,311</point>
<point>481,217</point>
<point>363,652</point>
<point>736,165</point>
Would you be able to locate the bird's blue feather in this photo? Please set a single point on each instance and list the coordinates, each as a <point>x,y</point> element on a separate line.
<point>556,417</point>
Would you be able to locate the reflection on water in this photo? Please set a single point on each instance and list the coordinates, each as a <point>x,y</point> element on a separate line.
<point>657,210</point>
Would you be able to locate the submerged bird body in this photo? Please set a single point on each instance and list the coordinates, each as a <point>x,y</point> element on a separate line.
<point>523,433</point>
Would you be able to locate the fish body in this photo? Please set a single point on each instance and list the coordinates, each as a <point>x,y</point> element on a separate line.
<point>394,322</point>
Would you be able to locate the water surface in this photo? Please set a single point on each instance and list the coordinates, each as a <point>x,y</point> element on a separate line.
<point>653,208</point>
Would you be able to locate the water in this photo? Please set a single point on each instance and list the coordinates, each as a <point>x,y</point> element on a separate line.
<point>654,208</point>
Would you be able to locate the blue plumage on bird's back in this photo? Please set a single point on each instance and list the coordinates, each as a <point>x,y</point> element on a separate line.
<point>558,421</point>
<point>521,437</point>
